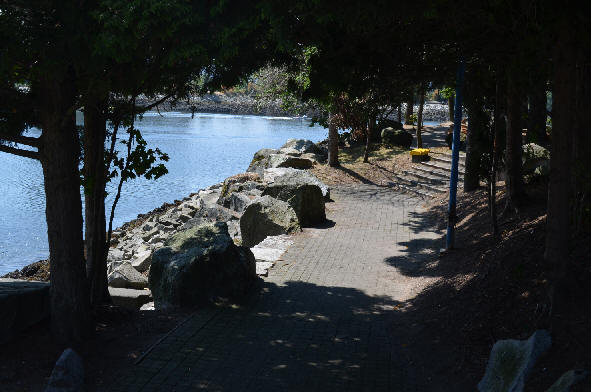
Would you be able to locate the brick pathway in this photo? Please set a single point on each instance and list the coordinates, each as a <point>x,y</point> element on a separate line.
<point>325,318</point>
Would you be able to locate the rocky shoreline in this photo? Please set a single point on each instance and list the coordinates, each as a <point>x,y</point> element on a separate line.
<point>237,229</point>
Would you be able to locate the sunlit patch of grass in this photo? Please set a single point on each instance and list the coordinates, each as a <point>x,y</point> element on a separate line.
<point>378,152</point>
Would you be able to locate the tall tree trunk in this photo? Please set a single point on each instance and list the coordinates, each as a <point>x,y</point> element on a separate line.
<point>371,125</point>
<point>581,144</point>
<point>420,117</point>
<point>536,127</point>
<point>333,143</point>
<point>409,111</point>
<point>450,104</point>
<point>559,186</point>
<point>477,122</point>
<point>513,150</point>
<point>496,153</point>
<point>60,154</point>
<point>94,196</point>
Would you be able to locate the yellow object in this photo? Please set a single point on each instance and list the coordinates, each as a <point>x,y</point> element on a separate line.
<point>419,151</point>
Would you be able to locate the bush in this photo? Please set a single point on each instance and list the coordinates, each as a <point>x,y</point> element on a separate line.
<point>396,137</point>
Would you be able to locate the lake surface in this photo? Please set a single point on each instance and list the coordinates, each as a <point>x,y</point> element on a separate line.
<point>203,150</point>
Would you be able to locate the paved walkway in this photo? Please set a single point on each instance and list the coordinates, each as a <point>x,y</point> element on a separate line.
<point>324,318</point>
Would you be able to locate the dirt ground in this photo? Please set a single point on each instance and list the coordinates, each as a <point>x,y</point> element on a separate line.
<point>492,288</point>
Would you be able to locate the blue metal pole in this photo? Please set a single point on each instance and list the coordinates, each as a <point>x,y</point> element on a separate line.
<point>455,157</point>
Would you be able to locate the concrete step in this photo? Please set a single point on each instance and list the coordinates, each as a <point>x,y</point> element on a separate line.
<point>443,166</point>
<point>427,177</point>
<point>422,193</point>
<point>445,159</point>
<point>22,304</point>
<point>130,299</point>
<point>411,182</point>
<point>434,171</point>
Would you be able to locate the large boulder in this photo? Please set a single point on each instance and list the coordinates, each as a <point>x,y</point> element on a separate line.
<point>260,160</point>
<point>127,277</point>
<point>396,137</point>
<point>280,160</point>
<point>302,146</point>
<point>198,265</point>
<point>286,175</point>
<point>306,200</point>
<point>388,123</point>
<point>535,158</point>
<point>511,361</point>
<point>267,216</point>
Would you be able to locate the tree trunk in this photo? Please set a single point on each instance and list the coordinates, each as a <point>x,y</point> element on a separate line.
<point>420,117</point>
<point>60,155</point>
<point>496,153</point>
<point>536,127</point>
<point>450,103</point>
<point>513,150</point>
<point>559,186</point>
<point>371,125</point>
<point>333,143</point>
<point>581,145</point>
<point>476,126</point>
<point>94,196</point>
<point>409,111</point>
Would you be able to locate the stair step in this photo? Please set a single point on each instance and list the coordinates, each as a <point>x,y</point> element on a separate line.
<point>434,171</point>
<point>417,184</point>
<point>426,177</point>
<point>442,166</point>
<point>446,160</point>
<point>409,189</point>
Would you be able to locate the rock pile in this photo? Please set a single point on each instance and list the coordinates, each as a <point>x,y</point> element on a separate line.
<point>191,251</point>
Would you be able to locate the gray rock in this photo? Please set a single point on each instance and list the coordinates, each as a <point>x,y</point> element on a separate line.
<point>125,276</point>
<point>67,374</point>
<point>115,254</point>
<point>263,267</point>
<point>279,160</point>
<point>567,380</point>
<point>142,258</point>
<point>129,298</point>
<point>198,265</point>
<point>234,229</point>
<point>260,160</point>
<point>267,216</point>
<point>148,306</point>
<point>305,199</point>
<point>396,137</point>
<point>286,175</point>
<point>535,158</point>
<point>302,146</point>
<point>236,201</point>
<point>290,151</point>
<point>511,361</point>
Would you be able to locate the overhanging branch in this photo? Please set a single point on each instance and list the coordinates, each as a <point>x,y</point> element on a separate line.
<point>19,152</point>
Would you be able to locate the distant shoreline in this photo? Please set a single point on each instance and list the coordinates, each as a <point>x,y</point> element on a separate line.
<point>242,104</point>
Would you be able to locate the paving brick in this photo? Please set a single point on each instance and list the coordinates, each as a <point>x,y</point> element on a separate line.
<point>321,321</point>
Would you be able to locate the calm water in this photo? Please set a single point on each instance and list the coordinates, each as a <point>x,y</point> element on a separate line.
<point>203,150</point>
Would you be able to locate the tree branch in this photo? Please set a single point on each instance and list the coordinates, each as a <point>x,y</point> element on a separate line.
<point>19,152</point>
<point>29,141</point>
<point>140,109</point>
